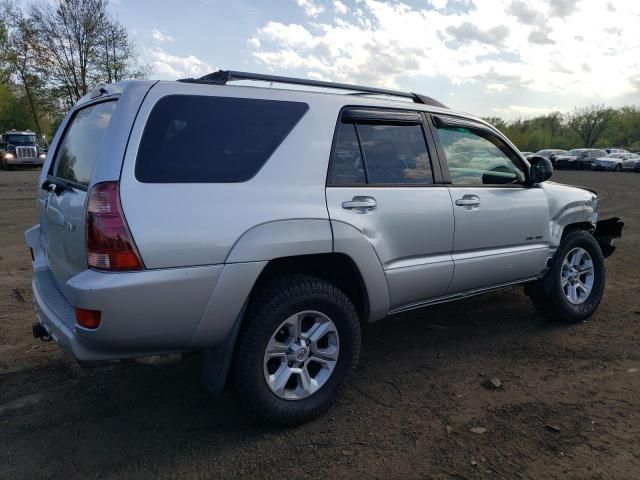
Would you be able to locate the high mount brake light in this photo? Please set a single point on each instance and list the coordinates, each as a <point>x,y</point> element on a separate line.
<point>108,240</point>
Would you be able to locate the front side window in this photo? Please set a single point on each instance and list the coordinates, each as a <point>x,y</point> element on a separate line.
<point>478,158</point>
<point>78,151</point>
<point>199,139</point>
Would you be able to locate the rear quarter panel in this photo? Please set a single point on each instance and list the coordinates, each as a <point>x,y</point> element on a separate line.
<point>181,224</point>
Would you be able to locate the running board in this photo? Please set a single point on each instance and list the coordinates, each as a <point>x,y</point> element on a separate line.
<point>458,296</point>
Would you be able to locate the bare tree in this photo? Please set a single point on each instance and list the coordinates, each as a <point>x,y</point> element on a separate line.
<point>116,55</point>
<point>18,55</point>
<point>68,37</point>
<point>590,122</point>
<point>5,70</point>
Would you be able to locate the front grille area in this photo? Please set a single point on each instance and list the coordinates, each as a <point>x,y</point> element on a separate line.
<point>26,153</point>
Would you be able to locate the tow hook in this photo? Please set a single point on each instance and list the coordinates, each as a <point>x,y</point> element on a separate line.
<point>40,332</point>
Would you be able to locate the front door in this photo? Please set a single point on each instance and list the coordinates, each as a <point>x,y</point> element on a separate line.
<point>382,182</point>
<point>502,231</point>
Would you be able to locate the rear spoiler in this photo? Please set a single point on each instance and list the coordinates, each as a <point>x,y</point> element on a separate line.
<point>606,232</point>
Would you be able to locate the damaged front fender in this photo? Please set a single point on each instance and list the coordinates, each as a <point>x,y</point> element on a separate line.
<point>606,232</point>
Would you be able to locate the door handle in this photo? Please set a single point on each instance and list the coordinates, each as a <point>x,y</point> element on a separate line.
<point>469,201</point>
<point>360,204</point>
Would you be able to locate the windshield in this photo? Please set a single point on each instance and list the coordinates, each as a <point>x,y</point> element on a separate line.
<point>21,139</point>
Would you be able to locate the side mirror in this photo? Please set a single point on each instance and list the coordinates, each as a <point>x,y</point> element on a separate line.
<point>540,170</point>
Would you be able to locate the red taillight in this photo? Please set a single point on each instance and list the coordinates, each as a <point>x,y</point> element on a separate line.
<point>109,243</point>
<point>88,318</point>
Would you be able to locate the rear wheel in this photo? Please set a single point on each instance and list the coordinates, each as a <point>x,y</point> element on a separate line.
<point>618,168</point>
<point>298,343</point>
<point>572,290</point>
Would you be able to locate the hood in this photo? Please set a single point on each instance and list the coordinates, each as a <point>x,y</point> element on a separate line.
<point>564,190</point>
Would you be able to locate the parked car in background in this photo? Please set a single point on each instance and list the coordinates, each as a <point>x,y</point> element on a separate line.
<point>569,160</point>
<point>527,154</point>
<point>579,158</point>
<point>612,161</point>
<point>616,150</point>
<point>585,162</point>
<point>551,154</point>
<point>631,162</point>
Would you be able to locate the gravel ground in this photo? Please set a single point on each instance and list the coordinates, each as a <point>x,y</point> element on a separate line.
<point>414,408</point>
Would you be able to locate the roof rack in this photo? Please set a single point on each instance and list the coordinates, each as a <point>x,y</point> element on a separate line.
<point>221,77</point>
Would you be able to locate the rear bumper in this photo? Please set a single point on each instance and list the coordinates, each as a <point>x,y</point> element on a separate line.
<point>143,313</point>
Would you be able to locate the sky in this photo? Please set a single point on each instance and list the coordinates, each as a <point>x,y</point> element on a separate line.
<point>507,58</point>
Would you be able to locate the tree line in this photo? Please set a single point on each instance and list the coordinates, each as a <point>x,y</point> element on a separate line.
<point>592,126</point>
<point>53,53</point>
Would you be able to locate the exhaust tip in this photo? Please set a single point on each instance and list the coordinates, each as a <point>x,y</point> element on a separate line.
<point>40,332</point>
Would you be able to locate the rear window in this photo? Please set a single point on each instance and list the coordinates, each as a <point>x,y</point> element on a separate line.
<point>76,155</point>
<point>200,139</point>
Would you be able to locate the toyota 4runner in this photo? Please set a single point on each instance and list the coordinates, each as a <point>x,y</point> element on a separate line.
<point>263,226</point>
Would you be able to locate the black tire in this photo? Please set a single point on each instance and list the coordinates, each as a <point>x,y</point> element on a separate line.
<point>547,294</point>
<point>272,305</point>
<point>618,168</point>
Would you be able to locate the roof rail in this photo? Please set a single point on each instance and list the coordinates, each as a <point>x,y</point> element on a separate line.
<point>221,77</point>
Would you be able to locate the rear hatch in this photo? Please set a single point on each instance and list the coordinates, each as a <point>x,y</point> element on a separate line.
<point>62,201</point>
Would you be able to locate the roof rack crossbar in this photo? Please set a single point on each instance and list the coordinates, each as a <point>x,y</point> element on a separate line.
<point>221,77</point>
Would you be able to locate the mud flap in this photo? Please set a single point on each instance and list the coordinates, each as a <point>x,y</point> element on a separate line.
<point>605,233</point>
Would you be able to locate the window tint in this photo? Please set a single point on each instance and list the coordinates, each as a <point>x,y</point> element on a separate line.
<point>212,139</point>
<point>395,154</point>
<point>76,155</point>
<point>477,158</point>
<point>347,166</point>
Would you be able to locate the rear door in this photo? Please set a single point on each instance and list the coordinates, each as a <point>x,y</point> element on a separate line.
<point>61,206</point>
<point>502,231</point>
<point>383,181</point>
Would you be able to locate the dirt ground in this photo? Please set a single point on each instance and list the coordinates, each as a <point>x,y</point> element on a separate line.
<point>569,406</point>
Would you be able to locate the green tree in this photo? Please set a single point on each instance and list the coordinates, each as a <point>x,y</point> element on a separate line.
<point>590,123</point>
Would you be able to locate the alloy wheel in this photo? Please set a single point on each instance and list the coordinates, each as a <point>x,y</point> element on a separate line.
<point>577,275</point>
<point>301,355</point>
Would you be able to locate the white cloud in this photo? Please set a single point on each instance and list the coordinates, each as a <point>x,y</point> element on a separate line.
<point>254,42</point>
<point>524,111</point>
<point>311,7</point>
<point>160,37</point>
<point>170,67</point>
<point>340,7</point>
<point>496,87</point>
<point>536,50</point>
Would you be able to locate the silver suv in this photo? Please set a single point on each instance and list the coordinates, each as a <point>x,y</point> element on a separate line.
<point>264,226</point>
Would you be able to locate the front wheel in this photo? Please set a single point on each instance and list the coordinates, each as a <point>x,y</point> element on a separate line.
<point>298,343</point>
<point>572,290</point>
<point>618,168</point>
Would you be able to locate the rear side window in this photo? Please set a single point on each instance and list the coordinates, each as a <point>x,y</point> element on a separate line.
<point>395,154</point>
<point>77,153</point>
<point>199,139</point>
<point>347,161</point>
<point>380,154</point>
